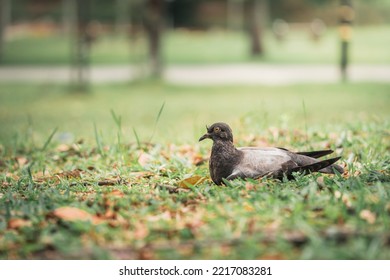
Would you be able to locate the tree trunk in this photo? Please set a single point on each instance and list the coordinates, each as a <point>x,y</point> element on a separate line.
<point>346,16</point>
<point>5,9</point>
<point>154,21</point>
<point>234,15</point>
<point>82,43</point>
<point>253,25</point>
<point>121,16</point>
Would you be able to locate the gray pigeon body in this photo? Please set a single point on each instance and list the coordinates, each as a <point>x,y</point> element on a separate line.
<point>228,162</point>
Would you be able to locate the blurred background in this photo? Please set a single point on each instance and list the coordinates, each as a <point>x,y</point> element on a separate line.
<point>147,52</point>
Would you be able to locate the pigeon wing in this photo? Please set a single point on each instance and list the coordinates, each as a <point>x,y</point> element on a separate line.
<point>258,162</point>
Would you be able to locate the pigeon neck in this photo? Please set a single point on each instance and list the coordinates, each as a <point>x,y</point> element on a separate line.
<point>225,147</point>
<point>224,158</point>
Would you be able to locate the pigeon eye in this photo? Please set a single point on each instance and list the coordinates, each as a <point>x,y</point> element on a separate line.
<point>217,129</point>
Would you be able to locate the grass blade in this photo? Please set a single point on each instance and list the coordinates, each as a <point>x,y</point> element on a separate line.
<point>49,139</point>
<point>117,119</point>
<point>305,120</point>
<point>118,122</point>
<point>98,141</point>
<point>156,122</point>
<point>137,138</point>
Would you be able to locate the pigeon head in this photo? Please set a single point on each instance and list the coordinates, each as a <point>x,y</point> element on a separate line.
<point>218,131</point>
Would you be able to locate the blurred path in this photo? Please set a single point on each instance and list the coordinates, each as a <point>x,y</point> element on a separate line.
<point>233,74</point>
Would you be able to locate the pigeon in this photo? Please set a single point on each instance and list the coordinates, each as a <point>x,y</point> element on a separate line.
<point>228,162</point>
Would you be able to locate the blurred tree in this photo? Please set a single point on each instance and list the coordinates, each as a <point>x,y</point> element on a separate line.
<point>234,14</point>
<point>82,42</point>
<point>346,16</point>
<point>253,10</point>
<point>122,15</point>
<point>154,23</point>
<point>5,10</point>
<point>182,12</point>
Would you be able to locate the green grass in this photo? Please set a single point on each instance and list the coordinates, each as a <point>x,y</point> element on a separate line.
<point>369,46</point>
<point>39,109</point>
<point>62,149</point>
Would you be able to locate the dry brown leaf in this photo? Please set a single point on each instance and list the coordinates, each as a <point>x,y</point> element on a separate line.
<point>141,231</point>
<point>12,176</point>
<point>321,182</point>
<point>198,159</point>
<point>75,173</point>
<point>296,237</point>
<point>68,213</point>
<point>273,225</point>
<point>344,198</point>
<point>63,148</point>
<point>144,159</point>
<point>248,207</point>
<point>250,186</point>
<point>141,174</point>
<point>22,161</point>
<point>111,182</point>
<point>17,223</point>
<point>191,181</point>
<point>368,216</point>
<point>116,193</point>
<point>164,216</point>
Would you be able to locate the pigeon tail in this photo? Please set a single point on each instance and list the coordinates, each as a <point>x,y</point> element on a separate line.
<point>324,166</point>
<point>316,154</point>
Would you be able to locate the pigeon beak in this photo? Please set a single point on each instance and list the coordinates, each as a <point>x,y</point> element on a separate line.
<point>204,137</point>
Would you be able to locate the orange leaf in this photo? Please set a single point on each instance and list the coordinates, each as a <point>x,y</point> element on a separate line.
<point>368,216</point>
<point>71,214</point>
<point>140,231</point>
<point>191,181</point>
<point>144,159</point>
<point>18,223</point>
<point>75,173</point>
<point>248,207</point>
<point>22,161</point>
<point>116,193</point>
<point>63,148</point>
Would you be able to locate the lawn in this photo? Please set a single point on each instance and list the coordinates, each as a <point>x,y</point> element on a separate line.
<point>118,173</point>
<point>369,46</point>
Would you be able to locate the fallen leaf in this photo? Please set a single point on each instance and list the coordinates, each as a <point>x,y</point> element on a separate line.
<point>111,182</point>
<point>295,237</point>
<point>339,233</point>
<point>17,223</point>
<point>320,182</point>
<point>63,148</point>
<point>164,216</point>
<point>68,213</point>
<point>75,173</point>
<point>144,159</point>
<point>116,193</point>
<point>191,181</point>
<point>344,198</point>
<point>141,174</point>
<point>22,161</point>
<point>248,207</point>
<point>250,186</point>
<point>172,189</point>
<point>198,159</point>
<point>140,231</point>
<point>12,176</point>
<point>368,216</point>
